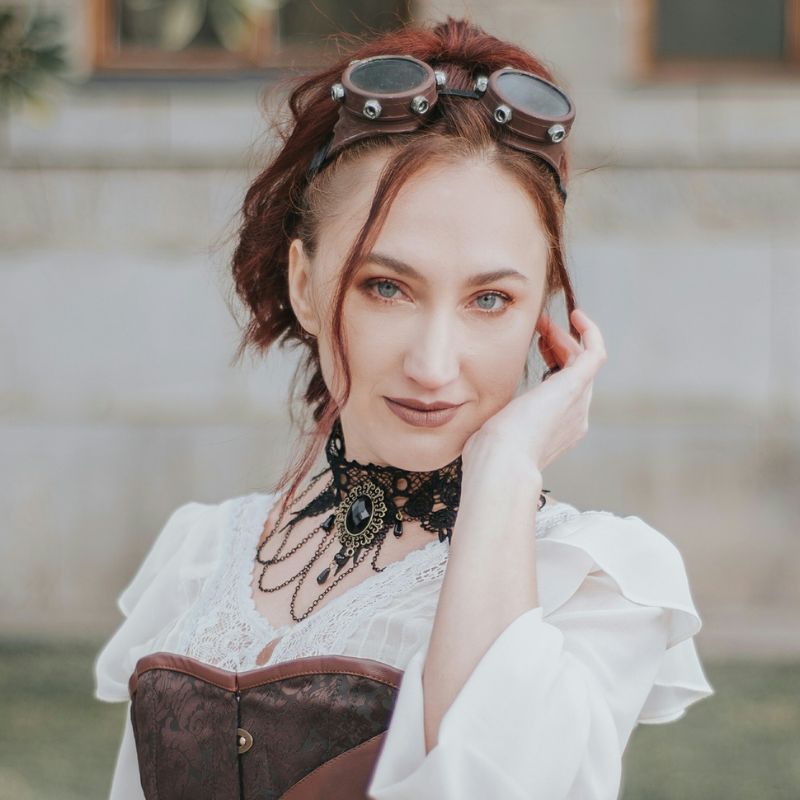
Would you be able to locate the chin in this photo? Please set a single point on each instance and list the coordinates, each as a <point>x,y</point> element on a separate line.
<point>397,443</point>
<point>415,461</point>
<point>422,449</point>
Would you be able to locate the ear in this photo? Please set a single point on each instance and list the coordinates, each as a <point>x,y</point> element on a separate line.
<point>300,289</point>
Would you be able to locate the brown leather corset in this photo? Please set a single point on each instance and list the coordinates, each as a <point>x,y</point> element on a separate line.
<point>305,729</point>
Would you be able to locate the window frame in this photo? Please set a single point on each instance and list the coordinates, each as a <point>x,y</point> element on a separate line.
<point>649,66</point>
<point>108,59</point>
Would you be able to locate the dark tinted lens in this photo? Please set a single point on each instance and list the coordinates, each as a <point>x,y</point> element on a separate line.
<point>531,95</point>
<point>387,75</point>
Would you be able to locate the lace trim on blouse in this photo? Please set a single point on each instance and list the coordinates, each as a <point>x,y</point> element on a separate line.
<point>224,627</point>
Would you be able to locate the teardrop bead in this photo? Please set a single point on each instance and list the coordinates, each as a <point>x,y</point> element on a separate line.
<point>341,559</point>
<point>398,527</point>
<point>323,576</point>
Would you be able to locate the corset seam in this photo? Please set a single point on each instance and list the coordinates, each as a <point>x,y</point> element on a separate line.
<point>189,673</point>
<point>326,672</point>
<point>239,725</point>
<point>276,679</point>
<point>155,748</point>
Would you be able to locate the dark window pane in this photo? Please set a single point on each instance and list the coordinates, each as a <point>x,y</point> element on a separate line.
<point>720,29</point>
<point>308,21</point>
<point>174,25</point>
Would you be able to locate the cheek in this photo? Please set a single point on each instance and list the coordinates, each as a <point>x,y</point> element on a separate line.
<point>373,348</point>
<point>374,341</point>
<point>497,361</point>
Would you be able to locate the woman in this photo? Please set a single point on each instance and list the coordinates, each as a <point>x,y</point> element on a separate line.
<point>497,642</point>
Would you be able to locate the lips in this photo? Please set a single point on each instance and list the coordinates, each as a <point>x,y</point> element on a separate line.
<point>409,402</point>
<point>436,415</point>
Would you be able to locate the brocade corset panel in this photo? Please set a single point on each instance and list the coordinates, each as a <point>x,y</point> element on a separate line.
<point>305,729</point>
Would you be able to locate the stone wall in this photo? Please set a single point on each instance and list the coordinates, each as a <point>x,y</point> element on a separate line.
<point>118,400</point>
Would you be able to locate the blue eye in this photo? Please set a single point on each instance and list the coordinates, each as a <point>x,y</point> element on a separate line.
<point>391,286</point>
<point>492,306</point>
<point>388,291</point>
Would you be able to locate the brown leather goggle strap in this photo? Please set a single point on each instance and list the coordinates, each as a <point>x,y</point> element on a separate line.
<point>315,726</point>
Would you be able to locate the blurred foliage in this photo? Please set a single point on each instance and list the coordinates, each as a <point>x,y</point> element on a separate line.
<point>58,743</point>
<point>31,55</point>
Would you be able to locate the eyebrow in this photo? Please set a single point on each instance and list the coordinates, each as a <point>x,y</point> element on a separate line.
<point>407,270</point>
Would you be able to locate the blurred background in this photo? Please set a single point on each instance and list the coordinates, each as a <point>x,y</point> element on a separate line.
<point>129,130</point>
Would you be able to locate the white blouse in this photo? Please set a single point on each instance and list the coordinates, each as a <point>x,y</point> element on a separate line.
<point>547,711</point>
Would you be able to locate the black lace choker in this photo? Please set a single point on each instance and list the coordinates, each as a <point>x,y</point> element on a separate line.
<point>373,498</point>
<point>367,501</point>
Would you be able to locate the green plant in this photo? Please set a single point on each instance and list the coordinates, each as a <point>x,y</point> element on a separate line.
<point>30,55</point>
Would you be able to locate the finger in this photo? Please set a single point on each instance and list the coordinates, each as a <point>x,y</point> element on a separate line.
<point>586,365</point>
<point>561,344</point>
<point>585,359</point>
<point>591,337</point>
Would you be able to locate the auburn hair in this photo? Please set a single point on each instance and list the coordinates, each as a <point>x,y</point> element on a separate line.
<point>282,203</point>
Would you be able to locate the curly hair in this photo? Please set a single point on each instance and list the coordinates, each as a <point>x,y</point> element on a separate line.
<point>283,203</point>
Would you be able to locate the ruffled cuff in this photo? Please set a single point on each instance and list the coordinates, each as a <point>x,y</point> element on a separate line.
<point>680,683</point>
<point>649,570</point>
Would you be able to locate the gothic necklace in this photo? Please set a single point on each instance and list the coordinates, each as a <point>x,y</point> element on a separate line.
<point>365,501</point>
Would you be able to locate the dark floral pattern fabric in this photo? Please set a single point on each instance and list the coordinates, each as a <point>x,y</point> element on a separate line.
<point>185,732</point>
<point>187,742</point>
<point>300,723</point>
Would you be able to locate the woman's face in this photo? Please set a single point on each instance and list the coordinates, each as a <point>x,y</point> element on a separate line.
<point>444,309</point>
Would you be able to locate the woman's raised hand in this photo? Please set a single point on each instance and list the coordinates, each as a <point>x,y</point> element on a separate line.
<point>553,416</point>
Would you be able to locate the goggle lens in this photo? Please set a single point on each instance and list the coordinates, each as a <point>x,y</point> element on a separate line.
<point>529,94</point>
<point>388,76</point>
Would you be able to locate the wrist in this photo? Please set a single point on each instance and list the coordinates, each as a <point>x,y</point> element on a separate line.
<point>499,493</point>
<point>493,456</point>
<point>501,478</point>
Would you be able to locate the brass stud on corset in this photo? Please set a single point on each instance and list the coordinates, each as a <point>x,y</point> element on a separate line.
<point>244,740</point>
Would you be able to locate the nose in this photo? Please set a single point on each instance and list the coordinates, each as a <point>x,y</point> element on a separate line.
<point>432,357</point>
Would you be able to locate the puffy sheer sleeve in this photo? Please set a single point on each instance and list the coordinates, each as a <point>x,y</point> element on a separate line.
<point>165,585</point>
<point>548,710</point>
<point>154,602</point>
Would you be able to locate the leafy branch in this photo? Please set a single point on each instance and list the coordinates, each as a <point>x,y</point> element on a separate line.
<point>30,55</point>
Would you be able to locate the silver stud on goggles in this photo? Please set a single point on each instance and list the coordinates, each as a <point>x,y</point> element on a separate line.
<point>396,93</point>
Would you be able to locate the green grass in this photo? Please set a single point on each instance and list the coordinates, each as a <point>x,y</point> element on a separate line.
<point>743,743</point>
<point>58,743</point>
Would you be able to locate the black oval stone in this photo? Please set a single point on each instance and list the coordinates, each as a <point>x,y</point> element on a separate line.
<point>359,514</point>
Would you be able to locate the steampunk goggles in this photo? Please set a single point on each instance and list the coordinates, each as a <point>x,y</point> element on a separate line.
<point>396,93</point>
